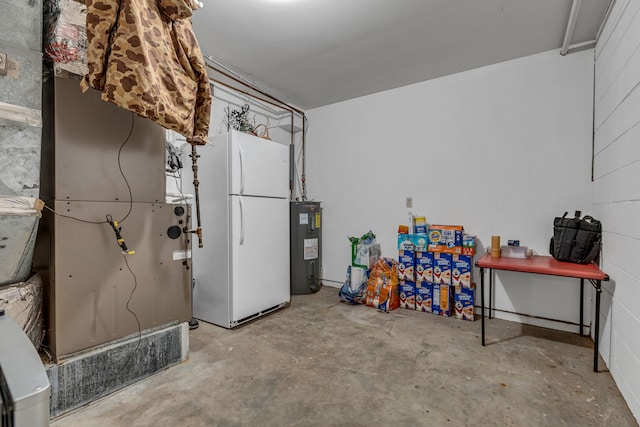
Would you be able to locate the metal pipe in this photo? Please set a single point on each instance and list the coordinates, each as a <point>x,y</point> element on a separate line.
<point>249,85</point>
<point>196,184</point>
<point>577,47</point>
<point>269,109</point>
<point>571,26</point>
<point>292,185</point>
<point>249,94</point>
<point>606,18</point>
<point>303,178</point>
<point>566,322</point>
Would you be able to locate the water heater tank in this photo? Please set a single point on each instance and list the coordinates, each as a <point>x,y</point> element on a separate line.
<point>306,247</point>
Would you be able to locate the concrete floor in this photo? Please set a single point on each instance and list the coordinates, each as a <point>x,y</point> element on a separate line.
<point>321,362</point>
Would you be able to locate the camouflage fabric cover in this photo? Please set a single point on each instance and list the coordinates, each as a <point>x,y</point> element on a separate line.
<point>143,56</point>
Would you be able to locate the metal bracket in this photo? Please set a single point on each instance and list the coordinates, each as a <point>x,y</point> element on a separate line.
<point>3,64</point>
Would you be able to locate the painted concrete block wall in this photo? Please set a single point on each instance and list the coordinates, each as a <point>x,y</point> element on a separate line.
<point>501,150</point>
<point>617,194</point>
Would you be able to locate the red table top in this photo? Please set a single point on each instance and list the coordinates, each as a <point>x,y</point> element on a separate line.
<point>541,264</point>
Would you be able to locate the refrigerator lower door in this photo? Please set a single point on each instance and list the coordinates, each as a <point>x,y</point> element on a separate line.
<point>260,256</point>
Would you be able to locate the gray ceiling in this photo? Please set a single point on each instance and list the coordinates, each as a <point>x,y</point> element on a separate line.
<point>316,52</point>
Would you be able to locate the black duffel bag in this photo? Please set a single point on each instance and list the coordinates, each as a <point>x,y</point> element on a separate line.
<point>576,240</point>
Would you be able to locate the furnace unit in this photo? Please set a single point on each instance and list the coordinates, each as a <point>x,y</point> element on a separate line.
<point>306,247</point>
<point>101,160</point>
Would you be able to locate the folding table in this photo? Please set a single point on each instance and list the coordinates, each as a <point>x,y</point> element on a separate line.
<point>546,265</point>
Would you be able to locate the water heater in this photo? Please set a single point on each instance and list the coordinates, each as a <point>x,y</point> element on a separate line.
<point>306,247</point>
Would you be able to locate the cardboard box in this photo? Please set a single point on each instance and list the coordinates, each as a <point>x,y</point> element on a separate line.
<point>445,238</point>
<point>461,270</point>
<point>407,294</point>
<point>420,242</point>
<point>463,301</point>
<point>413,242</point>
<point>405,243</point>
<point>420,225</point>
<point>382,287</point>
<point>424,267</point>
<point>424,297</point>
<point>442,300</point>
<point>441,268</point>
<point>406,262</point>
<point>468,245</point>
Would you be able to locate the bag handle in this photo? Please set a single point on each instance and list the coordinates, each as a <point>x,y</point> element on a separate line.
<point>595,250</point>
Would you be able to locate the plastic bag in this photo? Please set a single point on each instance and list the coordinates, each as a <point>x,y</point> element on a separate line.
<point>65,39</point>
<point>354,288</point>
<point>365,252</point>
<point>382,288</point>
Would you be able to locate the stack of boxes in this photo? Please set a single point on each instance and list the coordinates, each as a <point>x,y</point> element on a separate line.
<point>461,279</point>
<point>435,271</point>
<point>424,281</point>
<point>408,246</point>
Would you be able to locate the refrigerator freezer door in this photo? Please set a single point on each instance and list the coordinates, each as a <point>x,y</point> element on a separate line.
<point>259,167</point>
<point>260,255</point>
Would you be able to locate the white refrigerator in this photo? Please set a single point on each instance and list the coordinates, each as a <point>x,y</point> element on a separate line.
<point>242,272</point>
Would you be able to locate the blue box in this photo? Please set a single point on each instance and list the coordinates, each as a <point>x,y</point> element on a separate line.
<point>441,269</point>
<point>407,294</point>
<point>468,244</point>
<point>420,225</point>
<point>424,267</point>
<point>405,243</point>
<point>406,262</point>
<point>424,297</point>
<point>461,270</point>
<point>464,299</point>
<point>413,242</point>
<point>442,300</point>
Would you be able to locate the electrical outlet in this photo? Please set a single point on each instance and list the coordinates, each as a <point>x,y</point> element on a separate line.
<point>409,202</point>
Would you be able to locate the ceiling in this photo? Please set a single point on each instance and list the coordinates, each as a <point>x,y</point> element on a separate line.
<point>312,53</point>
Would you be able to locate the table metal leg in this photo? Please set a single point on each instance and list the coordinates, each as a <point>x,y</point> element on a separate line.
<point>482,300</point>
<point>581,305</point>
<point>596,337</point>
<point>490,292</point>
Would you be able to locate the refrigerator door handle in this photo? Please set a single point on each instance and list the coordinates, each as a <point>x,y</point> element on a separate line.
<point>241,170</point>
<point>241,221</point>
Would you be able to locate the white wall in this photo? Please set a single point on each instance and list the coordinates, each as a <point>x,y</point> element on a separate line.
<point>617,193</point>
<point>501,150</point>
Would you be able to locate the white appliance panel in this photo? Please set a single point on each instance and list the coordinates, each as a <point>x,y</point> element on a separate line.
<point>259,167</point>
<point>260,254</point>
<point>211,291</point>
